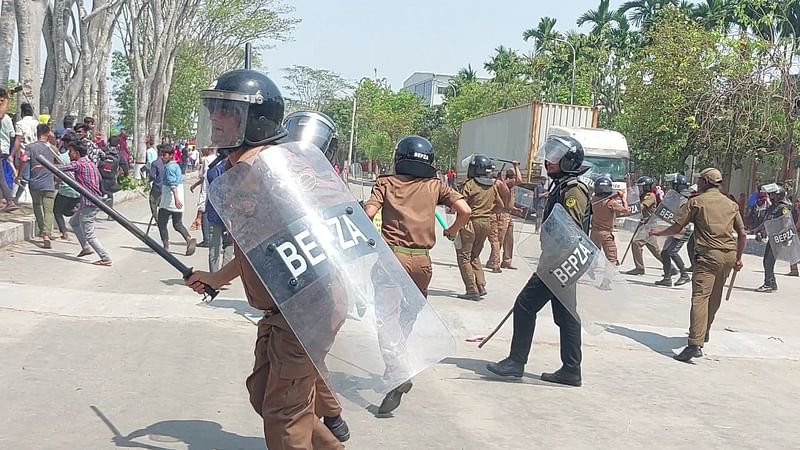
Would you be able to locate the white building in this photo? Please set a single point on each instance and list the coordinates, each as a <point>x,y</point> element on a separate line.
<point>430,86</point>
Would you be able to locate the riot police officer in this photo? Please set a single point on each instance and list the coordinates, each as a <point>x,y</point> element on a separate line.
<point>482,196</point>
<point>314,128</point>
<point>408,203</point>
<point>780,207</point>
<point>564,163</point>
<point>648,204</point>
<point>241,115</point>
<point>673,245</point>
<point>606,204</point>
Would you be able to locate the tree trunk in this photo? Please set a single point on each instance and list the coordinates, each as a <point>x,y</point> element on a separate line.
<point>48,92</point>
<point>788,150</point>
<point>8,27</point>
<point>30,17</point>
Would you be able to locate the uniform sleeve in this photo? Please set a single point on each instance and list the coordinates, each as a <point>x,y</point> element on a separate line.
<point>447,195</point>
<point>649,201</point>
<point>687,212</point>
<point>738,223</point>
<point>378,195</point>
<point>576,201</point>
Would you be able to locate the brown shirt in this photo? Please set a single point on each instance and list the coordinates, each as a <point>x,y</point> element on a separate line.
<point>408,206</point>
<point>648,205</point>
<point>480,198</point>
<point>715,218</point>
<point>604,211</point>
<point>254,289</point>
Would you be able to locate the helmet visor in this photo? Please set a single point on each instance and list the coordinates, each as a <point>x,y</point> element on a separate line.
<point>309,130</point>
<point>551,151</point>
<point>222,120</point>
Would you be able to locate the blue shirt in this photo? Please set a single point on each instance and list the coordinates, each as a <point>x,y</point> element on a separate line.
<point>172,175</point>
<point>156,174</point>
<point>211,213</point>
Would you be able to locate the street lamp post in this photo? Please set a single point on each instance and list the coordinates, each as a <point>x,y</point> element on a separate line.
<point>574,53</point>
<point>352,132</point>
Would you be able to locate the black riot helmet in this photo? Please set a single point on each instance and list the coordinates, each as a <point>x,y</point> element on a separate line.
<point>413,155</point>
<point>645,184</point>
<point>242,108</point>
<point>565,151</point>
<point>603,186</point>
<point>681,183</point>
<point>775,191</point>
<point>314,128</point>
<point>481,168</point>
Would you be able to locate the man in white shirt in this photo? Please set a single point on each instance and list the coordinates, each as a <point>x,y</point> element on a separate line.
<point>7,136</point>
<point>25,132</point>
<point>200,220</point>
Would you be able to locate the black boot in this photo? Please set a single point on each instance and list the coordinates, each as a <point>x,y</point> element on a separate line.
<point>691,351</point>
<point>393,398</point>
<point>338,427</point>
<point>667,282</point>
<point>562,376</point>
<point>684,278</point>
<point>507,368</point>
<point>635,272</point>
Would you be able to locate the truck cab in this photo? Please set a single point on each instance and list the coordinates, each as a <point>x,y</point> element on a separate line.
<point>605,152</point>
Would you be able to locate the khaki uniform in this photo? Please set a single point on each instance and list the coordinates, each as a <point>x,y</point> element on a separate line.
<point>648,208</point>
<point>408,205</point>
<point>603,214</point>
<point>481,199</point>
<point>285,388</point>
<point>501,236</point>
<point>715,218</point>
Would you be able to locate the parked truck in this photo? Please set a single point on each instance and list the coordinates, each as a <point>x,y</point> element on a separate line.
<point>517,133</point>
<point>605,152</point>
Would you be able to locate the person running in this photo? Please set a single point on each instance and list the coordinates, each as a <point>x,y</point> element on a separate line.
<point>172,201</point>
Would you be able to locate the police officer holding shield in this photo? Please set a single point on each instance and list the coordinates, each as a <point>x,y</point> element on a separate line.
<point>408,202</point>
<point>670,253</point>
<point>648,205</point>
<point>715,218</point>
<point>241,115</point>
<point>780,207</point>
<point>606,204</point>
<point>563,160</point>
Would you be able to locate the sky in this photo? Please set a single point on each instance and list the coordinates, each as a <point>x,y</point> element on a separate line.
<point>353,38</point>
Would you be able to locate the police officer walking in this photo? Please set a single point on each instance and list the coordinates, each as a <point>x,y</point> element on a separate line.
<point>482,196</point>
<point>715,218</point>
<point>241,115</point>
<point>780,207</point>
<point>648,203</point>
<point>606,204</point>
<point>502,234</point>
<point>408,203</point>
<point>563,161</point>
<point>669,254</point>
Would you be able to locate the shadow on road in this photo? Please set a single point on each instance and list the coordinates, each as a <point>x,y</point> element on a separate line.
<point>654,341</point>
<point>196,434</point>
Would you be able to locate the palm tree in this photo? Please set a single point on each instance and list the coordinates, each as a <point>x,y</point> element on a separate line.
<point>505,64</point>
<point>715,14</point>
<point>467,74</point>
<point>642,12</point>
<point>543,32</point>
<point>604,19</point>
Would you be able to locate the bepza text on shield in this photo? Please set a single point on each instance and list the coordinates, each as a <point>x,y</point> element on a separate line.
<point>318,242</point>
<point>573,265</point>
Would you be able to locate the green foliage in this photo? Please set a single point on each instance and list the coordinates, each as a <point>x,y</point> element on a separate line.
<point>188,79</point>
<point>123,88</point>
<point>311,88</point>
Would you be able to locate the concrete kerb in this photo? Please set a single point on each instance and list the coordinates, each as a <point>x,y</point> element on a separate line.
<point>18,228</point>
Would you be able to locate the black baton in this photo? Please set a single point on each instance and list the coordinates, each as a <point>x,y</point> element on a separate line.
<point>185,270</point>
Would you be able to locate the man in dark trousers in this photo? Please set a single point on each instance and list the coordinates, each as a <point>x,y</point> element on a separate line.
<point>779,208</point>
<point>563,160</point>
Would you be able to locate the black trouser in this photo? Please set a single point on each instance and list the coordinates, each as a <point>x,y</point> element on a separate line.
<point>769,268</point>
<point>533,297</point>
<point>64,206</point>
<point>670,254</point>
<point>177,223</point>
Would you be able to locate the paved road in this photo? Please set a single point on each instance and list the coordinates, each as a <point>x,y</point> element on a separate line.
<point>126,357</point>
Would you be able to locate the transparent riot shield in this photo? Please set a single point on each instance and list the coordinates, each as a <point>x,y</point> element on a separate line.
<point>578,273</point>
<point>782,235</point>
<point>663,218</point>
<point>318,255</point>
<point>633,200</point>
<point>524,200</point>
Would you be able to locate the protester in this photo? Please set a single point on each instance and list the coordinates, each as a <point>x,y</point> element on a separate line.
<point>67,198</point>
<point>83,222</point>
<point>171,206</point>
<point>7,136</point>
<point>25,133</point>
<point>41,182</point>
